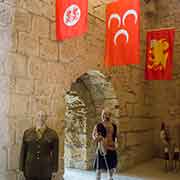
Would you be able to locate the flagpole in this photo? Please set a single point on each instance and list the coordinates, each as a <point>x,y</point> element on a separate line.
<point>101,19</point>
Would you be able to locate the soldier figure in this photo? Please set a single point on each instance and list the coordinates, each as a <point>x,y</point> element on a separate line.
<point>39,151</point>
<point>165,138</point>
<point>105,134</point>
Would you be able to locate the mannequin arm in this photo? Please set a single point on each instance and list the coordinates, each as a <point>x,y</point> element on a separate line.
<point>55,154</point>
<point>22,155</point>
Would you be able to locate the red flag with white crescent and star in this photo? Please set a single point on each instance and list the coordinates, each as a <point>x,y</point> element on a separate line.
<point>122,33</point>
<point>159,54</point>
<point>71,18</point>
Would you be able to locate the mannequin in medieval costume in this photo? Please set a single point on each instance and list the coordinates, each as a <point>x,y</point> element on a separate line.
<point>165,139</point>
<point>105,135</point>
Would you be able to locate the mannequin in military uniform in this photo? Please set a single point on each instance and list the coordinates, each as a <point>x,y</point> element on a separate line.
<point>39,151</point>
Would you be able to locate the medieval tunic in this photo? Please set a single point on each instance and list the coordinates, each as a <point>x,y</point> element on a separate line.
<point>111,155</point>
<point>176,154</point>
<point>164,138</point>
<point>39,154</point>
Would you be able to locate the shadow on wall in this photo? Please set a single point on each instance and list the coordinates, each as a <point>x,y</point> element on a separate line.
<point>88,95</point>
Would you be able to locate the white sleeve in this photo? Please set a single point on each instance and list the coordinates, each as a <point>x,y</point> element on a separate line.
<point>162,134</point>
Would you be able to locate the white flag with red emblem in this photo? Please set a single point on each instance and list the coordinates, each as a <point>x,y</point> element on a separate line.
<point>71,18</point>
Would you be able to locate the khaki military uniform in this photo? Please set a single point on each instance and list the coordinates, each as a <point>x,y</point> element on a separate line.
<point>39,154</point>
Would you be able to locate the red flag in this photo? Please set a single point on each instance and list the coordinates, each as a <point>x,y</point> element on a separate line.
<point>122,33</point>
<point>159,54</point>
<point>71,18</point>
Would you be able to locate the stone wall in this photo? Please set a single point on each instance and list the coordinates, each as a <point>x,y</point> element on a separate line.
<point>41,70</point>
<point>136,122</point>
<point>36,72</point>
<point>75,155</point>
<point>166,96</point>
<point>97,93</point>
<point>102,96</point>
<point>33,80</point>
<point>7,8</point>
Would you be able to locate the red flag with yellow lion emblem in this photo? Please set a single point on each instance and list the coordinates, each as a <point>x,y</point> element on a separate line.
<point>159,54</point>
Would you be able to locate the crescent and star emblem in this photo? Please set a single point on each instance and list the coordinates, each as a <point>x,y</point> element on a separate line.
<point>122,21</point>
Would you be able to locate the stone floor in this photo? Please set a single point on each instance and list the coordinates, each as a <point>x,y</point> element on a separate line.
<point>152,170</point>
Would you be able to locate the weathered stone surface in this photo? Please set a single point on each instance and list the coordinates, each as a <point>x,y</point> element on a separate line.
<point>129,96</point>
<point>5,39</point>
<point>24,86</point>
<point>37,68</point>
<point>130,109</point>
<point>84,87</point>
<point>141,124</point>
<point>42,88</point>
<point>4,84</point>
<point>141,110</point>
<point>48,10</point>
<point>5,14</point>
<point>42,84</point>
<point>4,104</point>
<point>55,71</point>
<point>138,138</point>
<point>2,63</point>
<point>40,27</point>
<point>16,65</point>
<point>13,157</point>
<point>69,50</point>
<point>41,8</point>
<point>23,122</point>
<point>3,156</point>
<point>14,45</point>
<point>18,105</point>
<point>37,103</point>
<point>28,45</point>
<point>12,132</point>
<point>4,131</point>
<point>48,50</point>
<point>22,20</point>
<point>53,31</point>
<point>34,6</point>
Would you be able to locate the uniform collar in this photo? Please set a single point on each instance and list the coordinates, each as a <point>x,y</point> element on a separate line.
<point>42,130</point>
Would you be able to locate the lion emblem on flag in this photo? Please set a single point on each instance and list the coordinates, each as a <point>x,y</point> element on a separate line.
<point>158,54</point>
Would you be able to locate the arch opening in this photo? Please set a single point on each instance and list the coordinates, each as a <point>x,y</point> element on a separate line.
<point>88,95</point>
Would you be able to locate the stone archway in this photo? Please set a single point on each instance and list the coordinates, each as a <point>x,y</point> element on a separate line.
<point>88,95</point>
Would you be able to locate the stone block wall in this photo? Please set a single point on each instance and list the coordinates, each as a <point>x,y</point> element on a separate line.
<point>96,93</point>
<point>39,72</point>
<point>36,71</point>
<point>75,155</point>
<point>7,9</point>
<point>136,122</point>
<point>166,93</point>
